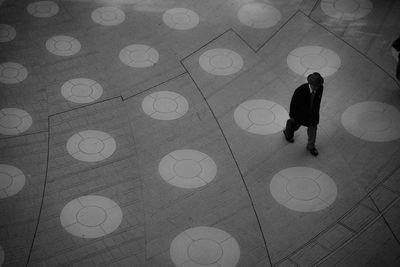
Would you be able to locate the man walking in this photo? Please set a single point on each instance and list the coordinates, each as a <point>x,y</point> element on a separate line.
<point>304,110</point>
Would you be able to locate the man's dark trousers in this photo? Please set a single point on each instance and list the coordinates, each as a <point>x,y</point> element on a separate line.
<point>292,126</point>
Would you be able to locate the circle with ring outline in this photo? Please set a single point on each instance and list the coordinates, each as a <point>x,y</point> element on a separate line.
<point>7,33</point>
<point>346,9</point>
<point>187,168</point>
<point>12,180</point>
<point>91,146</point>
<point>260,116</point>
<point>1,255</point>
<point>62,45</point>
<point>204,246</point>
<point>303,189</point>
<point>165,105</point>
<point>308,59</point>
<point>43,9</point>
<point>11,72</point>
<point>180,18</point>
<point>108,16</point>
<point>81,90</point>
<point>259,15</point>
<point>220,61</point>
<point>139,56</point>
<point>14,121</point>
<point>91,216</point>
<point>372,121</point>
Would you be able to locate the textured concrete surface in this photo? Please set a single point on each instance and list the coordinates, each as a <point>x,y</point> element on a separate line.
<point>361,227</point>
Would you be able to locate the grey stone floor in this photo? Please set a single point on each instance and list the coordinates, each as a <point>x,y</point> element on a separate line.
<point>360,228</point>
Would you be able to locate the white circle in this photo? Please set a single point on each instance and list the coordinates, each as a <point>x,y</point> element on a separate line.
<point>260,116</point>
<point>11,72</point>
<point>1,255</point>
<point>165,105</point>
<point>14,121</point>
<point>139,56</point>
<point>204,246</point>
<point>220,61</point>
<point>372,121</point>
<point>62,45</point>
<point>91,146</point>
<point>259,15</point>
<point>108,16</point>
<point>346,9</point>
<point>91,216</point>
<point>81,90</point>
<point>43,9</point>
<point>303,189</point>
<point>180,18</point>
<point>187,168</point>
<point>7,33</point>
<point>12,180</point>
<point>308,59</point>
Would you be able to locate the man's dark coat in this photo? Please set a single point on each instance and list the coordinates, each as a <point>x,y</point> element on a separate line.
<point>300,105</point>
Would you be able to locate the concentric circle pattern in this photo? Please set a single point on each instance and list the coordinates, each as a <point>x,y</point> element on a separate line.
<point>308,59</point>
<point>139,56</point>
<point>303,189</point>
<point>372,121</point>
<point>165,105</point>
<point>346,9</point>
<point>12,180</point>
<point>180,18</point>
<point>7,33</point>
<point>43,9</point>
<point>62,45</point>
<point>187,168</point>
<point>259,15</point>
<point>220,61</point>
<point>204,246</point>
<point>11,72</point>
<point>81,90</point>
<point>91,146</point>
<point>91,216</point>
<point>108,16</point>
<point>261,116</point>
<point>14,121</point>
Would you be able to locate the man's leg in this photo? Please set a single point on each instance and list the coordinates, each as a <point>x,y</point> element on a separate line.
<point>291,127</point>
<point>398,68</point>
<point>312,136</point>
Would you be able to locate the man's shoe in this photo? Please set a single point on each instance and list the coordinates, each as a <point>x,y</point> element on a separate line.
<point>290,140</point>
<point>313,151</point>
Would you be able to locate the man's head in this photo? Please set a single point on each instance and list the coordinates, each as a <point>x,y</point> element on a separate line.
<point>315,80</point>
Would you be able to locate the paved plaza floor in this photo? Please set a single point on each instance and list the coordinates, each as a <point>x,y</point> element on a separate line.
<point>149,133</point>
